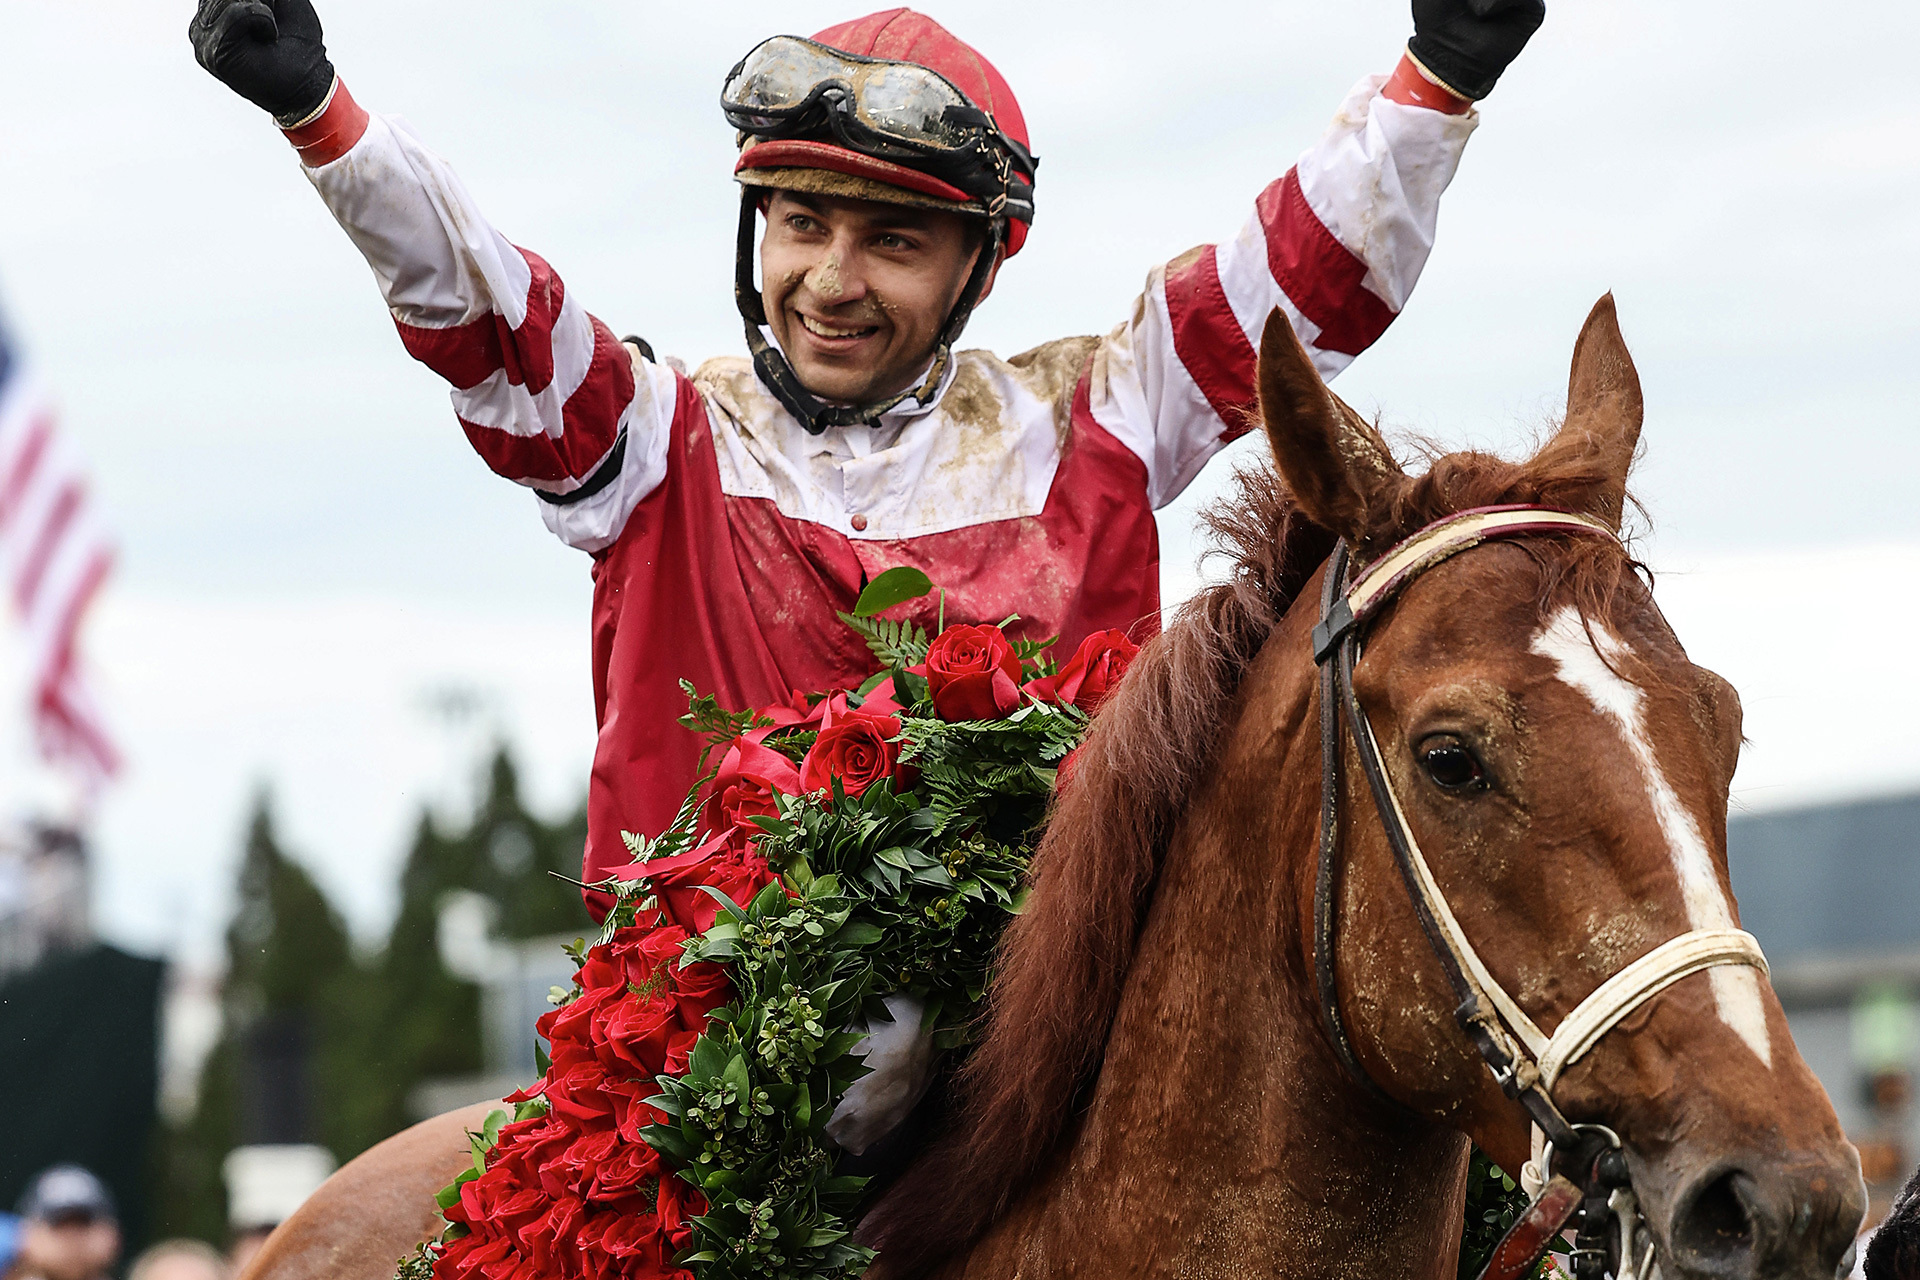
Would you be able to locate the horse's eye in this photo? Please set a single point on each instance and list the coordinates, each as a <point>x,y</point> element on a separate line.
<point>1451,766</point>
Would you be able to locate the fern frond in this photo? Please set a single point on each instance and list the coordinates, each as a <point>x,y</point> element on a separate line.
<point>894,643</point>
<point>706,717</point>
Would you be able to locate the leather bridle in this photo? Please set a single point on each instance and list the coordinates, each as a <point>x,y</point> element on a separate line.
<point>1524,1059</point>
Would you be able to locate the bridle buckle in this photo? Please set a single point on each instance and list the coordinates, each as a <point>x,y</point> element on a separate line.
<point>1331,630</point>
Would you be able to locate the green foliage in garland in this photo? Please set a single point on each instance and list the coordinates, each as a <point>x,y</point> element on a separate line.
<point>997,773</point>
<point>879,893</point>
<point>1494,1203</point>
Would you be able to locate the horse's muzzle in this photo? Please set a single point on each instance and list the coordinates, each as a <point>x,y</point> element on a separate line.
<point>1756,1217</point>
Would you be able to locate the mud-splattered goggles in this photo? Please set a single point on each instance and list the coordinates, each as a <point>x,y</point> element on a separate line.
<point>791,87</point>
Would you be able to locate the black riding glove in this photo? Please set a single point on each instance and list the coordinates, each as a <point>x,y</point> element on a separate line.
<point>1468,43</point>
<point>267,51</point>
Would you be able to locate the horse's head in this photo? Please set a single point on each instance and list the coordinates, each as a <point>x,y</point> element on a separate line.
<point>1565,769</point>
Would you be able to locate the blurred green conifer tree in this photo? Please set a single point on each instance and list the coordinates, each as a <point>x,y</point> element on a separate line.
<point>282,1063</point>
<point>374,1026</point>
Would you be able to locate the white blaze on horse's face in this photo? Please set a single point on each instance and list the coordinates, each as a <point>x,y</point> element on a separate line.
<point>1565,640</point>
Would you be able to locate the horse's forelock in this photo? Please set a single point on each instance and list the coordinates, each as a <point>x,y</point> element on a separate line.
<point>1584,571</point>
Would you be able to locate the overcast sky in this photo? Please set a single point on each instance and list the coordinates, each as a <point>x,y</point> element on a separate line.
<point>312,559</point>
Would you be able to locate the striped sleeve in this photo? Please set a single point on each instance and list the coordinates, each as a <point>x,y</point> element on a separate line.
<point>544,391</point>
<point>1336,243</point>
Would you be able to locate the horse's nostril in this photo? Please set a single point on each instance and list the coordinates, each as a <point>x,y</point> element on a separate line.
<point>1714,1230</point>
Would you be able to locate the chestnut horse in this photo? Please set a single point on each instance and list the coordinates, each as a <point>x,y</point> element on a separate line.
<point>1155,1093</point>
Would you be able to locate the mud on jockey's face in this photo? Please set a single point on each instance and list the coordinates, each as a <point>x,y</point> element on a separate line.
<point>857,292</point>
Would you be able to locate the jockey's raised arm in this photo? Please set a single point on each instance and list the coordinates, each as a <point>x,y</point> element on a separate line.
<point>1336,243</point>
<point>544,391</point>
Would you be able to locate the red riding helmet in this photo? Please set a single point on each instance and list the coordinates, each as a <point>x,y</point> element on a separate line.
<point>826,167</point>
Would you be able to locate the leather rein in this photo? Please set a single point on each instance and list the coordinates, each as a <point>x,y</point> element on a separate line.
<point>1525,1060</point>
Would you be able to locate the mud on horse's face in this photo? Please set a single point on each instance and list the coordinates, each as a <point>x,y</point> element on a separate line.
<point>1565,769</point>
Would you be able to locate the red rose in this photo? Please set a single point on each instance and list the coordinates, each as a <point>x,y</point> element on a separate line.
<point>678,1202</point>
<point>726,863</point>
<point>520,1208</point>
<point>566,1028</point>
<point>698,990</point>
<point>973,674</point>
<point>628,1097</point>
<point>467,1255</point>
<point>524,1153</point>
<point>633,1037</point>
<point>1090,675</point>
<point>749,775</point>
<point>647,954</point>
<point>632,1237</point>
<point>577,1097</point>
<point>680,1051</point>
<point>549,1238</point>
<point>580,1164</point>
<point>854,748</point>
<point>625,1170</point>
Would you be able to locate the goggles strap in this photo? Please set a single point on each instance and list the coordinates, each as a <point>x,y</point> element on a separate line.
<point>777,373</point>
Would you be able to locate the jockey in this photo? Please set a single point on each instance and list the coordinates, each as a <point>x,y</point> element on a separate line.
<point>886,175</point>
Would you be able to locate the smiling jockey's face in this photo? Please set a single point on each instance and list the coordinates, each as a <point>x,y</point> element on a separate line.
<point>857,291</point>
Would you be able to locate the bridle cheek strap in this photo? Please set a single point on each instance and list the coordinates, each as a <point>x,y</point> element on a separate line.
<point>1526,1061</point>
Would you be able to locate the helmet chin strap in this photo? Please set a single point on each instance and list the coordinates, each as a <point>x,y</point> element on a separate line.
<point>778,375</point>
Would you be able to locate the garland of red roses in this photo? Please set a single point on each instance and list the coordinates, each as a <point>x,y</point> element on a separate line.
<point>588,1178</point>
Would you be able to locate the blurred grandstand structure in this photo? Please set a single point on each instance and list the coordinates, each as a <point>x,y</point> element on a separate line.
<point>1833,893</point>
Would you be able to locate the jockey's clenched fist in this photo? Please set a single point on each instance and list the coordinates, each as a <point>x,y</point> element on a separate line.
<point>267,51</point>
<point>1466,44</point>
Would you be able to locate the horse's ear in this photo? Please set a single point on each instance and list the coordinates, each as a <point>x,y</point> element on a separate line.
<point>1335,464</point>
<point>1604,411</point>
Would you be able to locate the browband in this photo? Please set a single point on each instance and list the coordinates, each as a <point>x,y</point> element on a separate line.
<point>1382,580</point>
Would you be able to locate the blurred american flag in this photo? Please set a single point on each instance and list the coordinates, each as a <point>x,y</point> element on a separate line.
<point>54,554</point>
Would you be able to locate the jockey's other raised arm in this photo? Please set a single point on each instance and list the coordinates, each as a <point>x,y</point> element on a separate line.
<point>1336,243</point>
<point>542,389</point>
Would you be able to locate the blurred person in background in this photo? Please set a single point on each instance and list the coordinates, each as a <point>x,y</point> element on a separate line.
<point>179,1260</point>
<point>9,1246</point>
<point>247,1241</point>
<point>266,1185</point>
<point>69,1229</point>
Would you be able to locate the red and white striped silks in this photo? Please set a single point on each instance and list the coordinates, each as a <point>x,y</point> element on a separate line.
<point>725,537</point>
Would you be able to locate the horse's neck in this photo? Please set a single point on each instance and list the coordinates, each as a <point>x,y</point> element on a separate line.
<point>1222,1137</point>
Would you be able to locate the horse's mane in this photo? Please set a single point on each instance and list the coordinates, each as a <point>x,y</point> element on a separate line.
<point>1063,962</point>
